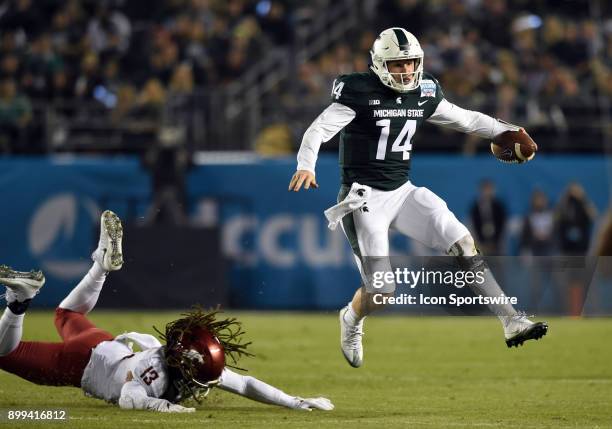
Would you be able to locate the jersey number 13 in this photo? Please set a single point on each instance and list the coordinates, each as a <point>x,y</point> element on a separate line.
<point>401,143</point>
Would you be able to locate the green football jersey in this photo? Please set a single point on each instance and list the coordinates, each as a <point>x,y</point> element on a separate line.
<point>375,147</point>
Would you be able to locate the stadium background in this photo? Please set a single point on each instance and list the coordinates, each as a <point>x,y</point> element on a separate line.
<point>184,117</point>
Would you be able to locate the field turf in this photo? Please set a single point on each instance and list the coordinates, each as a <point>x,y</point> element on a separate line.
<point>418,372</point>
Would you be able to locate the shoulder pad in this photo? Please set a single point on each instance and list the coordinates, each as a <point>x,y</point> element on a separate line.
<point>348,89</point>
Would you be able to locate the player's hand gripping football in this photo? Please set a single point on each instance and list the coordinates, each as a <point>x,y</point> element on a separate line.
<point>302,177</point>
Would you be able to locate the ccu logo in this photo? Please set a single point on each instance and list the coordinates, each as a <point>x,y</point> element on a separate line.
<point>285,240</point>
<point>52,235</point>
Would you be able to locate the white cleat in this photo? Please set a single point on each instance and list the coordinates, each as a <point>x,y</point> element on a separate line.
<point>350,340</point>
<point>109,253</point>
<point>21,285</point>
<point>518,329</point>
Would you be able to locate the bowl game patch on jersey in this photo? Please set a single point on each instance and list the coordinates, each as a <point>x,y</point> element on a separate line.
<point>428,88</point>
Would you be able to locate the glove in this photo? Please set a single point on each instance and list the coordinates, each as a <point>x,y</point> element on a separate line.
<point>133,397</point>
<point>175,408</point>
<point>309,404</point>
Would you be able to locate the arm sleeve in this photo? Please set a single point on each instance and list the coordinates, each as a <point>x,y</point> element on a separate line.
<point>257,390</point>
<point>451,116</point>
<point>134,397</point>
<point>327,125</point>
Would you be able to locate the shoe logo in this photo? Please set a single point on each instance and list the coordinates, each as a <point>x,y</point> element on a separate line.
<point>365,209</point>
<point>420,103</point>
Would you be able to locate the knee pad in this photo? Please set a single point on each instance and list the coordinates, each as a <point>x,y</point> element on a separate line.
<point>467,255</point>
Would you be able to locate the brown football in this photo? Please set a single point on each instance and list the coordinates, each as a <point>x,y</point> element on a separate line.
<point>514,147</point>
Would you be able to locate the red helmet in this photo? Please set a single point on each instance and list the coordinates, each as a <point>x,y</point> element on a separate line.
<point>196,345</point>
<point>207,354</point>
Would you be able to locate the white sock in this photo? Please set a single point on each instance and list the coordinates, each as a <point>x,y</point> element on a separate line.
<point>351,317</point>
<point>11,327</point>
<point>84,297</point>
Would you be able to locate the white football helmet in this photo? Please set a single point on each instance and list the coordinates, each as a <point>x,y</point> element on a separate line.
<point>397,44</point>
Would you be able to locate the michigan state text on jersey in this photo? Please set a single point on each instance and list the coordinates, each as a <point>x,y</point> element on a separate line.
<point>375,146</point>
<point>378,113</point>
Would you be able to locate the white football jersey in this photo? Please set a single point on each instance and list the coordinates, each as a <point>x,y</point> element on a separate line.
<point>111,361</point>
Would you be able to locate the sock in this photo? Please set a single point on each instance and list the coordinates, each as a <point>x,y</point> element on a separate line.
<point>84,296</point>
<point>11,327</point>
<point>490,287</point>
<point>19,307</point>
<point>351,317</point>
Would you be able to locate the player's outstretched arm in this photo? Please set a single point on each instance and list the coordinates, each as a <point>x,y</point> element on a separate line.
<point>323,128</point>
<point>257,390</point>
<point>134,397</point>
<point>451,116</point>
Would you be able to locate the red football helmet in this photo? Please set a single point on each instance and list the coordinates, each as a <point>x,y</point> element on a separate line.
<point>196,345</point>
<point>206,353</point>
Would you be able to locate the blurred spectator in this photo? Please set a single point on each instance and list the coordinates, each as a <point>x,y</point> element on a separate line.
<point>272,18</point>
<point>15,114</point>
<point>275,140</point>
<point>488,215</point>
<point>147,111</point>
<point>126,100</point>
<point>574,217</point>
<point>109,31</point>
<point>23,18</point>
<point>537,236</point>
<point>89,77</point>
<point>168,161</point>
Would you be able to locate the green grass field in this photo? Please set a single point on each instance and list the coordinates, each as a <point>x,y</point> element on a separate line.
<point>418,372</point>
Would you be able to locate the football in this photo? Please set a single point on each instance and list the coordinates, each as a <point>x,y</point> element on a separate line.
<point>514,147</point>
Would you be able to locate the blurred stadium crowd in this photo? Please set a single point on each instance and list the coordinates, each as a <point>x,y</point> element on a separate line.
<point>124,74</point>
<point>562,228</point>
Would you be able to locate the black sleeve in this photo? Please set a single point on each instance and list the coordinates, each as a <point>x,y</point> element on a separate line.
<point>344,92</point>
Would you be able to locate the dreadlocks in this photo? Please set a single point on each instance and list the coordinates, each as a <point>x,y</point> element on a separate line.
<point>182,366</point>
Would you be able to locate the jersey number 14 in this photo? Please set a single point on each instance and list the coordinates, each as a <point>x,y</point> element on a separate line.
<point>401,143</point>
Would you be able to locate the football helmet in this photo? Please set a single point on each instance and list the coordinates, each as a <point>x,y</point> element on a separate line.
<point>397,44</point>
<point>195,362</point>
<point>196,349</point>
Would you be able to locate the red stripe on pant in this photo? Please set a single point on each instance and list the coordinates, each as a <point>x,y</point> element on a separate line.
<point>57,364</point>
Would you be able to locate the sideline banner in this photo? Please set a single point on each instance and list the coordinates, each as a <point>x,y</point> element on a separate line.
<point>280,254</point>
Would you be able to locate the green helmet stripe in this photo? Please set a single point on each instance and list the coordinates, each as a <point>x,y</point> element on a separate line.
<point>402,40</point>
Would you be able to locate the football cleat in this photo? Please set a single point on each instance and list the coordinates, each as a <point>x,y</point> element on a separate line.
<point>518,329</point>
<point>21,285</point>
<point>350,340</point>
<point>109,253</point>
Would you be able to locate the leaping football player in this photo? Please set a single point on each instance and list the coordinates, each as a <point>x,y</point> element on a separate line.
<point>378,113</point>
<point>158,377</point>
